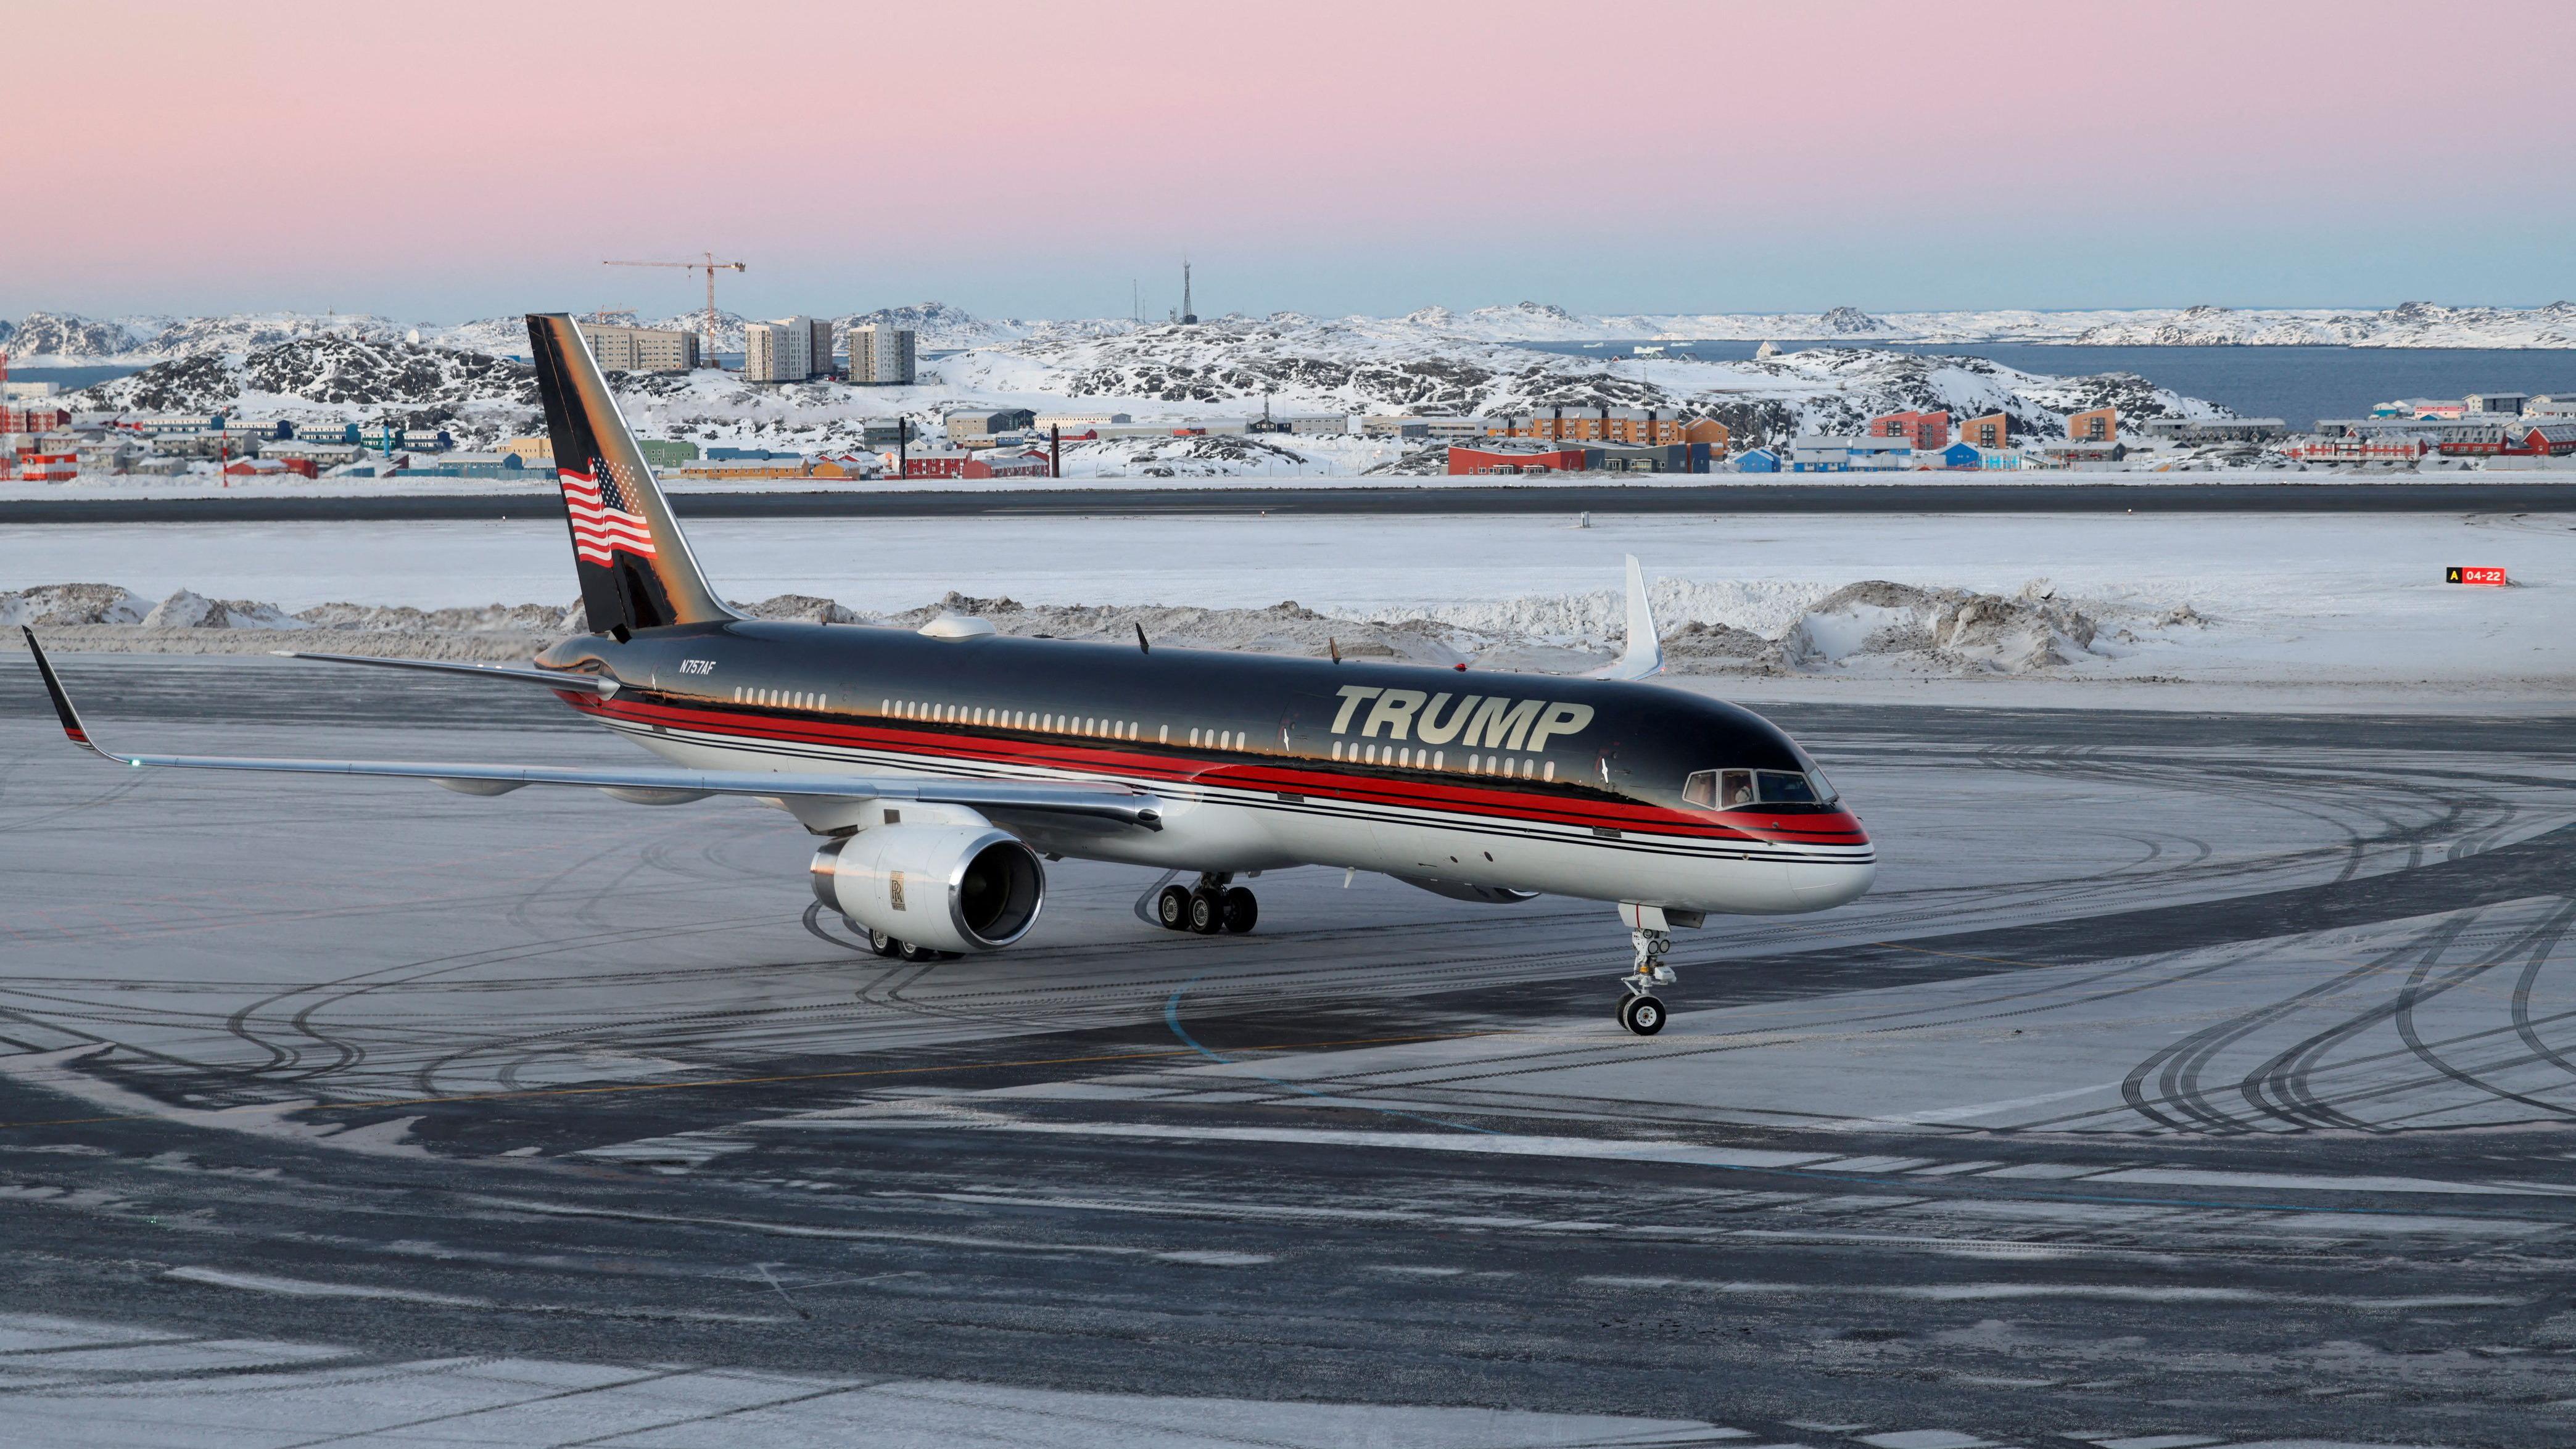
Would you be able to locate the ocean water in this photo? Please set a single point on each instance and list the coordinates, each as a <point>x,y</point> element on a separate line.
<point>71,379</point>
<point>2295,384</point>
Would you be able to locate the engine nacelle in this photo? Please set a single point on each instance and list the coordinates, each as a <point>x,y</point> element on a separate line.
<point>948,887</point>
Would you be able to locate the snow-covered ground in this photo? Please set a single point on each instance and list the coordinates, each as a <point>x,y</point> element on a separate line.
<point>106,1384</point>
<point>2331,600</point>
<point>47,339</point>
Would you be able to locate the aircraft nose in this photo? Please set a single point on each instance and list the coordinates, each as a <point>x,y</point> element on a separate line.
<point>1820,886</point>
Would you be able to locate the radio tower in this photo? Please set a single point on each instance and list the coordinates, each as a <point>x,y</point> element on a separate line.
<point>1187,315</point>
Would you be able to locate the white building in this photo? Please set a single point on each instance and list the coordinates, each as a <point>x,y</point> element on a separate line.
<point>640,349</point>
<point>781,350</point>
<point>882,356</point>
<point>1424,425</point>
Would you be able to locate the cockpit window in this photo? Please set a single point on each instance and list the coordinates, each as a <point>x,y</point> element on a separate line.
<point>1739,789</point>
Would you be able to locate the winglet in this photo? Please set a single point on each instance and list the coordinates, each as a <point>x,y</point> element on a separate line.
<point>1644,655</point>
<point>62,702</point>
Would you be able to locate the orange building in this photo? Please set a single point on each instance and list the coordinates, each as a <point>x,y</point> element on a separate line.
<point>1994,430</point>
<point>1613,425</point>
<point>1928,432</point>
<point>2098,425</point>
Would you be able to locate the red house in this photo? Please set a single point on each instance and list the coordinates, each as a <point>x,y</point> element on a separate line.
<point>270,468</point>
<point>959,463</point>
<point>48,467</point>
<point>1500,457</point>
<point>37,418</point>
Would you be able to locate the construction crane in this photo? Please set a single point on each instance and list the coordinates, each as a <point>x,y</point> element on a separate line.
<point>710,266</point>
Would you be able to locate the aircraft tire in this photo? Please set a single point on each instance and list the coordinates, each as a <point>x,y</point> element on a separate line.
<point>1239,910</point>
<point>1642,1015</point>
<point>883,944</point>
<point>910,952</point>
<point>1207,912</point>
<point>1172,908</point>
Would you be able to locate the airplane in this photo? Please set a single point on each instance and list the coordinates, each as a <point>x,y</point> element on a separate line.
<point>942,767</point>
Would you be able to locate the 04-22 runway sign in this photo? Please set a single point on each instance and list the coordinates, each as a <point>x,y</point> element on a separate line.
<point>2460,574</point>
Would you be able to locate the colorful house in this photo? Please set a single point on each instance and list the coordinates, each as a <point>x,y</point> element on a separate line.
<point>1927,432</point>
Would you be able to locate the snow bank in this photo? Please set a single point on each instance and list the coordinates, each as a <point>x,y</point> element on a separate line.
<point>72,604</point>
<point>1726,628</point>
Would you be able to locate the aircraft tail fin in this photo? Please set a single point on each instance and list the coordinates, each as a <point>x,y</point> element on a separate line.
<point>635,566</point>
<point>1644,655</point>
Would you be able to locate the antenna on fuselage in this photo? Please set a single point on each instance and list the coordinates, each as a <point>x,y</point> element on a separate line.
<point>1141,646</point>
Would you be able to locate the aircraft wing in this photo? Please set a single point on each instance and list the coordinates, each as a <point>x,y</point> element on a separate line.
<point>1644,655</point>
<point>658,785</point>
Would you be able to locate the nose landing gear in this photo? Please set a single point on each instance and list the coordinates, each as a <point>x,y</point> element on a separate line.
<point>1641,1011</point>
<point>1209,908</point>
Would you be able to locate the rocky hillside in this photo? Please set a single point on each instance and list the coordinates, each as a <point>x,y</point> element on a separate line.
<point>363,379</point>
<point>2409,324</point>
<point>1301,364</point>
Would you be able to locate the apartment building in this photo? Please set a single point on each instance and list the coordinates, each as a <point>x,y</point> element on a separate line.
<point>882,356</point>
<point>640,349</point>
<point>781,350</point>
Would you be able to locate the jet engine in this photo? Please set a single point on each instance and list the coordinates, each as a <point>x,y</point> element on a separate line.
<point>948,887</point>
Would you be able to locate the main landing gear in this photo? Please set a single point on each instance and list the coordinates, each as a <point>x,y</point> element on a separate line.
<point>1210,907</point>
<point>1640,1010</point>
<point>885,945</point>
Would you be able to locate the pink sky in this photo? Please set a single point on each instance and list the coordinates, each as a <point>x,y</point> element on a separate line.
<point>447,160</point>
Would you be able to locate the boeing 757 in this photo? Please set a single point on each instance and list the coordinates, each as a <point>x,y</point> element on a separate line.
<point>941,768</point>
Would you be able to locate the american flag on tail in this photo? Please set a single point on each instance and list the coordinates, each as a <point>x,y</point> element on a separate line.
<point>601,519</point>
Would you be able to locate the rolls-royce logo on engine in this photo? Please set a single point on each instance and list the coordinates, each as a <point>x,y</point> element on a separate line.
<point>1474,722</point>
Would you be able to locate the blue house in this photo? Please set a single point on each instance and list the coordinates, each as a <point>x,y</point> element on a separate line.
<point>1958,455</point>
<point>1757,460</point>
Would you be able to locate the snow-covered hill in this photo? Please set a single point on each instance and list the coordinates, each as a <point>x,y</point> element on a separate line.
<point>360,379</point>
<point>2410,324</point>
<point>1302,365</point>
<point>48,338</point>
<point>1229,367</point>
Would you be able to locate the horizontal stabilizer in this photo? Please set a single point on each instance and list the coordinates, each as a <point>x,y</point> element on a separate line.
<point>562,679</point>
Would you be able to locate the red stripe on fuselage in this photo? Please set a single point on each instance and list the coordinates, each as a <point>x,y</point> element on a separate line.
<point>1164,762</point>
